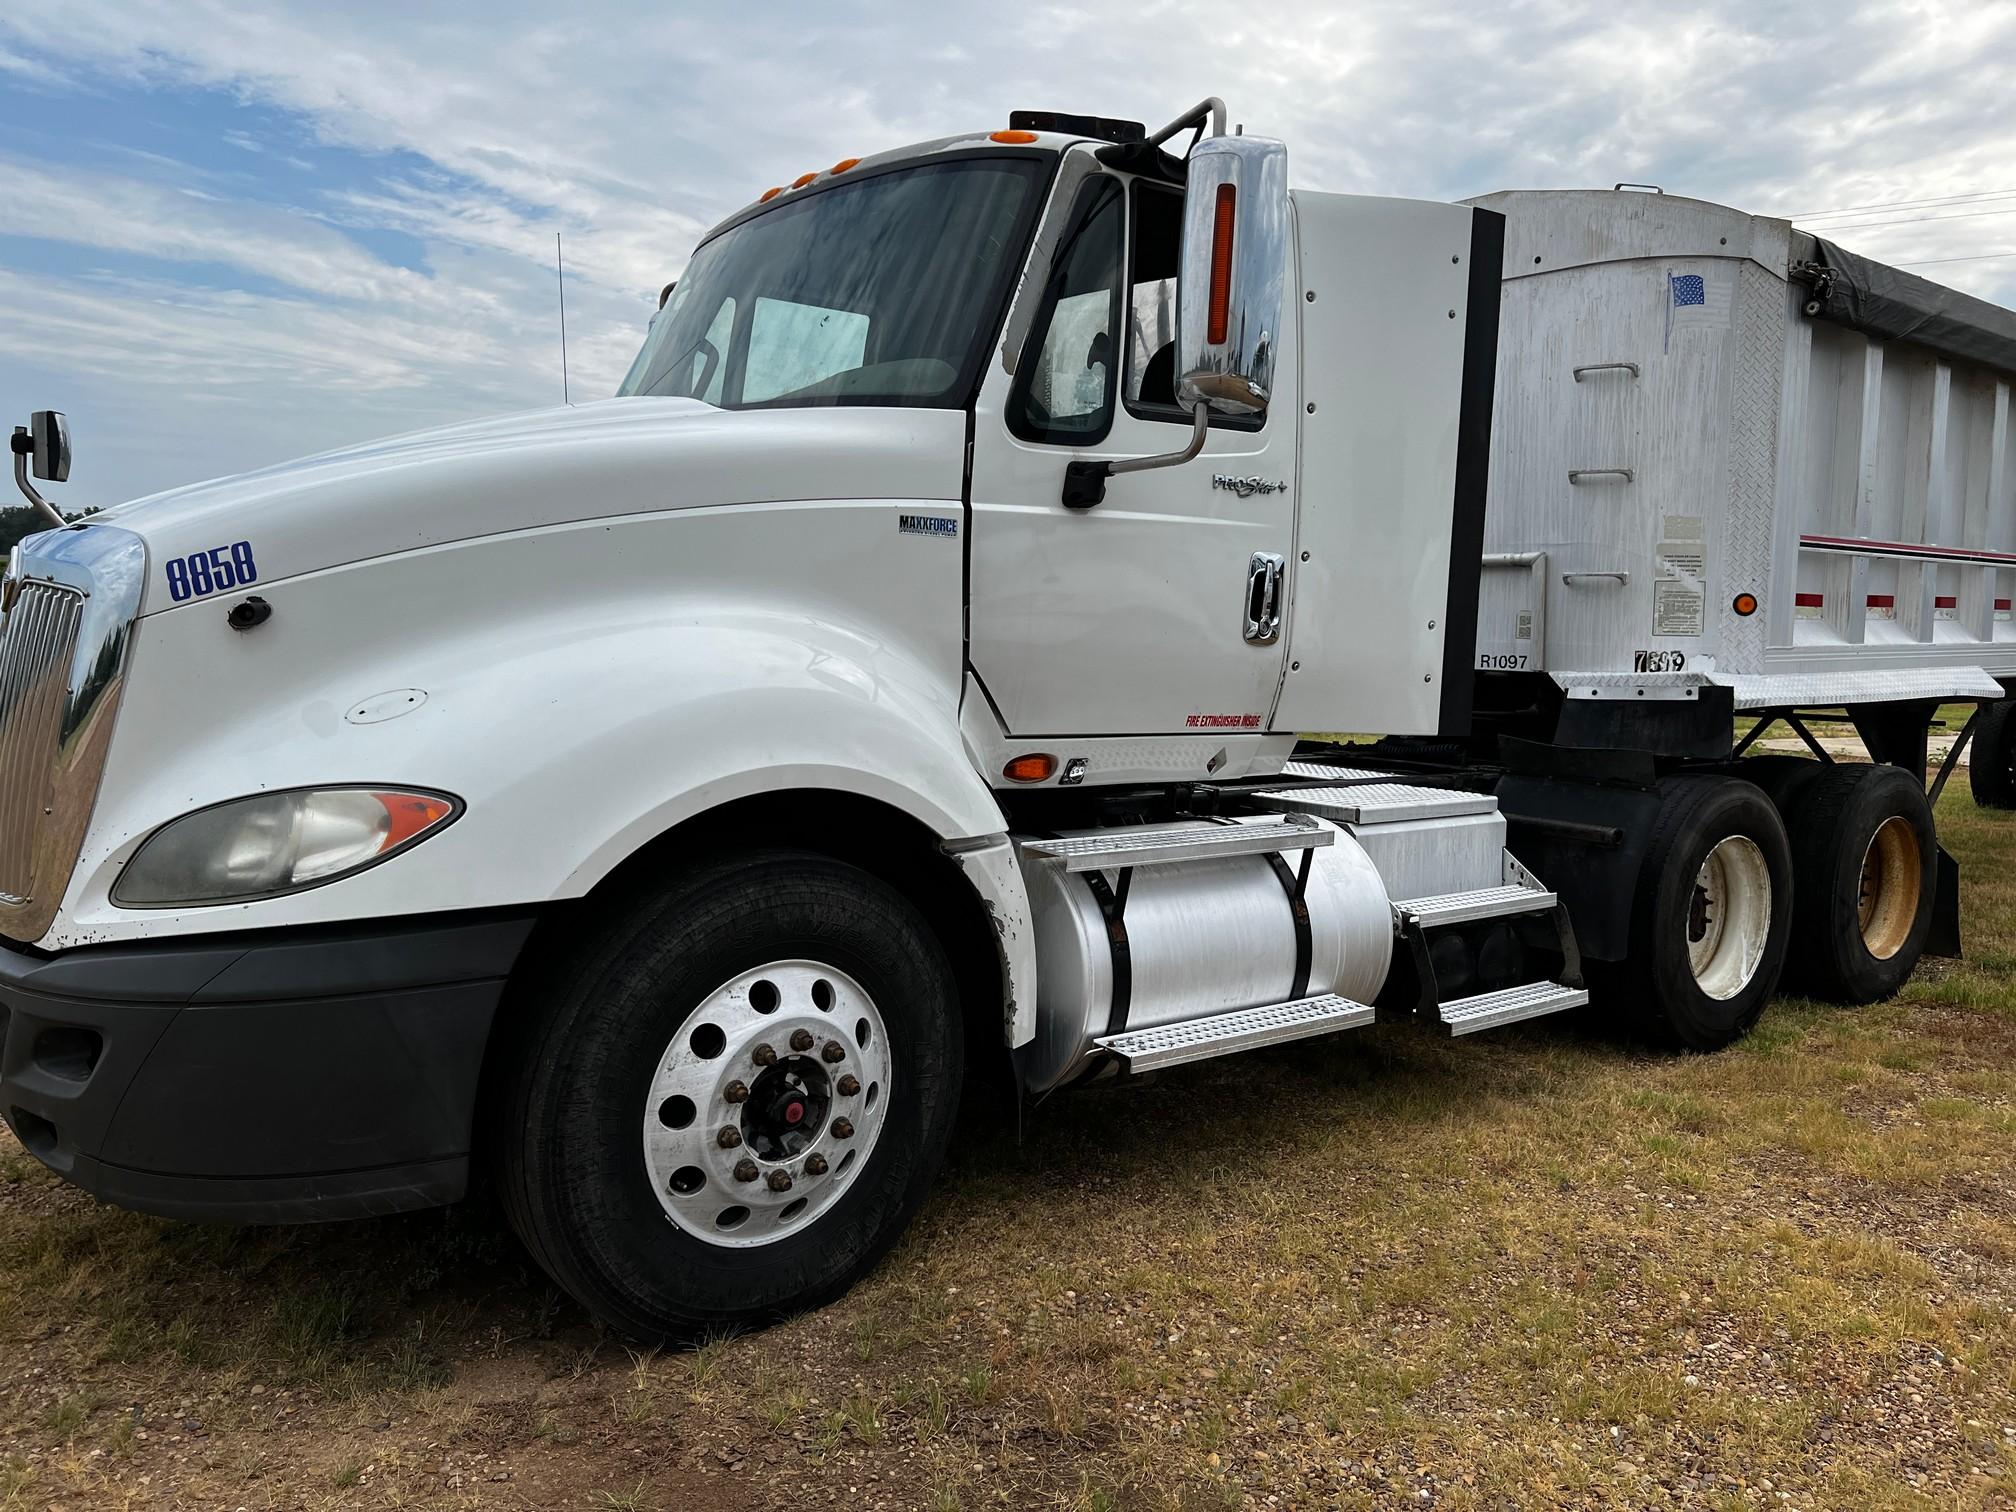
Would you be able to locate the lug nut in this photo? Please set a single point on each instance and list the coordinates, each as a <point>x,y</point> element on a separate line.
<point>833,1053</point>
<point>843,1128</point>
<point>745,1170</point>
<point>763,1055</point>
<point>780,1181</point>
<point>729,1137</point>
<point>815,1165</point>
<point>735,1092</point>
<point>801,1040</point>
<point>848,1085</point>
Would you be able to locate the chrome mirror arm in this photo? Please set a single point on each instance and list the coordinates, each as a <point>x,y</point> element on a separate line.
<point>22,445</point>
<point>1085,481</point>
<point>1213,108</point>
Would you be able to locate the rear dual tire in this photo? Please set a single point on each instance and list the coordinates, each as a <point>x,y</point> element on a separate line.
<point>1713,912</point>
<point>1865,857</point>
<point>1991,769</point>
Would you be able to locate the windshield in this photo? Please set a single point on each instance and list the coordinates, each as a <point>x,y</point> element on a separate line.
<point>881,291</point>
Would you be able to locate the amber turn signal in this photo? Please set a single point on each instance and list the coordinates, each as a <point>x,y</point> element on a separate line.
<point>1036,767</point>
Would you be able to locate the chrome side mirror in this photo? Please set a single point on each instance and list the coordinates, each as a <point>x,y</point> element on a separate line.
<point>49,433</point>
<point>1233,271</point>
<point>43,446</point>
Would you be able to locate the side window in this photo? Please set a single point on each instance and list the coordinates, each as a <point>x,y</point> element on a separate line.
<point>1151,303</point>
<point>795,346</point>
<point>1065,391</point>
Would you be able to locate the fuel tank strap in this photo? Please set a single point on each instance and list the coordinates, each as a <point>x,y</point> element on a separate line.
<point>1296,887</point>
<point>1113,908</point>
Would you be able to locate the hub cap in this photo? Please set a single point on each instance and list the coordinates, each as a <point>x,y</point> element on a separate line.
<point>1729,919</point>
<point>767,1103</point>
<point>1888,905</point>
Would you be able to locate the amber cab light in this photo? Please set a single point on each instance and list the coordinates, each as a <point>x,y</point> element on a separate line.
<point>769,194</point>
<point>1221,266</point>
<point>843,165</point>
<point>1035,767</point>
<point>1014,138</point>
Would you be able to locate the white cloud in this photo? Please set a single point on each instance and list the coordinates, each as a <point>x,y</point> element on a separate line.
<point>478,131</point>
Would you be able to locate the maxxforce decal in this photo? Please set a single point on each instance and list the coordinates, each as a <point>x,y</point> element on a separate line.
<point>932,525</point>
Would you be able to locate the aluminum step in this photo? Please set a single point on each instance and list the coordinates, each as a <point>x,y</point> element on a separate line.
<point>1478,903</point>
<point>1161,847</point>
<point>1377,802</point>
<point>1244,1029</point>
<point>1487,1010</point>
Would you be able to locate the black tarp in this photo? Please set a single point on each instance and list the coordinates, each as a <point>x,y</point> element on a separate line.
<point>1870,296</point>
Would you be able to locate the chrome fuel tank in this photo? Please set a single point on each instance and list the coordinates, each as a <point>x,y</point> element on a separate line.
<point>1202,937</point>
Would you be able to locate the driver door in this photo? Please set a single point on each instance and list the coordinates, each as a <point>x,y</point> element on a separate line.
<point>1156,610</point>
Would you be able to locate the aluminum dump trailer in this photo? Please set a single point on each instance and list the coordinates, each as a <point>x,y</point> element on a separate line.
<point>1728,453</point>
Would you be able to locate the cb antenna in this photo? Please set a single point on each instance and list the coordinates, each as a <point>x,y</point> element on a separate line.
<point>560,271</point>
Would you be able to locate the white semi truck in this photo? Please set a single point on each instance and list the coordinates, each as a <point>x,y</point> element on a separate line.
<point>658,803</point>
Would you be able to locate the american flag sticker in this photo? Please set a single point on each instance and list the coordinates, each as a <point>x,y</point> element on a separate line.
<point>1686,302</point>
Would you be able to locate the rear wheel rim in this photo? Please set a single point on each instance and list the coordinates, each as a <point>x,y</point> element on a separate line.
<point>767,1103</point>
<point>1729,917</point>
<point>1887,905</point>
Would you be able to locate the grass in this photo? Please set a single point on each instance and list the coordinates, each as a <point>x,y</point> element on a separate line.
<point>1544,1267</point>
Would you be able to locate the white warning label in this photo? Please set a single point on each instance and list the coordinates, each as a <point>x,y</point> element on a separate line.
<point>1680,589</point>
<point>1676,608</point>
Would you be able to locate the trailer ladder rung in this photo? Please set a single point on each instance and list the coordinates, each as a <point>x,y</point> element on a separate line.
<point>1161,847</point>
<point>1243,1029</point>
<point>1487,1010</point>
<point>1478,903</point>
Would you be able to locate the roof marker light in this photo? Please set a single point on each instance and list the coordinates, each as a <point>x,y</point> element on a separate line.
<point>843,165</point>
<point>802,180</point>
<point>769,194</point>
<point>1016,138</point>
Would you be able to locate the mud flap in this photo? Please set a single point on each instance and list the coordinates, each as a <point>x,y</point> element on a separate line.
<point>1943,938</point>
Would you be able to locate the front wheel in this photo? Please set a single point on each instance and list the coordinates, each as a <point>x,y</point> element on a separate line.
<point>1713,911</point>
<point>727,1101</point>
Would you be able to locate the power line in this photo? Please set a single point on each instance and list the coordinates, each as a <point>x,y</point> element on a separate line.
<point>1978,257</point>
<point>1917,220</point>
<point>1951,199</point>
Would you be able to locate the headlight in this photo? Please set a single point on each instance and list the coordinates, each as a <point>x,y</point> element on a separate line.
<point>276,843</point>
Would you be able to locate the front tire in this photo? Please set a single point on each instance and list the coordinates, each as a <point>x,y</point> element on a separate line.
<point>1713,912</point>
<point>726,1102</point>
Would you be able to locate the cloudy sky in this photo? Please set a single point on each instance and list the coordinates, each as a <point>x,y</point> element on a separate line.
<point>230,234</point>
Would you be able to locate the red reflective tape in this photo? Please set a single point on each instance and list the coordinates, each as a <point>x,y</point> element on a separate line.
<point>1882,601</point>
<point>1808,600</point>
<point>1945,601</point>
<point>2001,603</point>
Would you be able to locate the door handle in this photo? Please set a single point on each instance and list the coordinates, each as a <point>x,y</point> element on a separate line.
<point>1263,597</point>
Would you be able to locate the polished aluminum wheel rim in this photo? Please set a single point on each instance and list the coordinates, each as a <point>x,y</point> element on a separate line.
<point>766,1105</point>
<point>1729,920</point>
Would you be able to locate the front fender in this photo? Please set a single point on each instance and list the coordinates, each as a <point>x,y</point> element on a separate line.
<point>583,689</point>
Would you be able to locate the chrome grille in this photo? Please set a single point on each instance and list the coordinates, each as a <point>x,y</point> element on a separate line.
<point>69,600</point>
<point>35,656</point>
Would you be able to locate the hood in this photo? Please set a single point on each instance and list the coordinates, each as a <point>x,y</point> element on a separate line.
<point>521,472</point>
